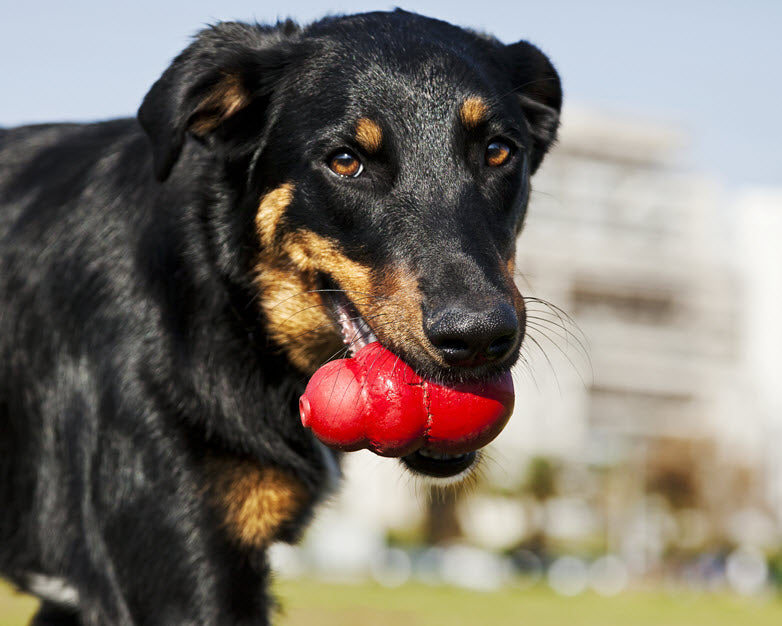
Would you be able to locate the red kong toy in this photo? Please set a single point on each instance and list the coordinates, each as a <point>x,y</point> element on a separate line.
<point>376,401</point>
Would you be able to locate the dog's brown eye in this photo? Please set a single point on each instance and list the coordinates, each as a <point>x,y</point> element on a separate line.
<point>497,153</point>
<point>346,164</point>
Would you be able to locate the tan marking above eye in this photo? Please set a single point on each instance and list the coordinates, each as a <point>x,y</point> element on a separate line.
<point>473,112</point>
<point>346,164</point>
<point>369,135</point>
<point>497,153</point>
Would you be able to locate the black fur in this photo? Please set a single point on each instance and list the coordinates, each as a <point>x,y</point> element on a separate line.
<point>132,344</point>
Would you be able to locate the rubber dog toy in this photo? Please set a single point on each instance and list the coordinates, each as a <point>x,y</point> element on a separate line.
<point>376,401</point>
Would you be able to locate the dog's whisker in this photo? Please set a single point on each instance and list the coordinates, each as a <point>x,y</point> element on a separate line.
<point>367,297</point>
<point>527,367</point>
<point>345,349</point>
<point>565,319</point>
<point>520,276</point>
<point>548,360</point>
<point>331,325</point>
<point>323,305</point>
<point>544,194</point>
<point>551,321</point>
<point>562,332</point>
<point>559,311</point>
<point>310,308</point>
<point>564,353</point>
<point>565,322</point>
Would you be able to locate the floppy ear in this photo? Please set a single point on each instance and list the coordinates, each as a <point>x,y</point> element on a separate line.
<point>537,83</point>
<point>228,67</point>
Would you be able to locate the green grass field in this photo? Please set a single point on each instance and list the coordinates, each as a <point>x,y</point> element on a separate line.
<point>308,603</point>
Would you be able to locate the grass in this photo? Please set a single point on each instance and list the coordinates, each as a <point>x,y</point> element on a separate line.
<point>307,602</point>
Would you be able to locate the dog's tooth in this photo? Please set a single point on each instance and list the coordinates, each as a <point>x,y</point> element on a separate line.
<point>356,332</point>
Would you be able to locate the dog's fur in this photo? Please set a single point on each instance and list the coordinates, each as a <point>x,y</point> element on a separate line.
<point>163,294</point>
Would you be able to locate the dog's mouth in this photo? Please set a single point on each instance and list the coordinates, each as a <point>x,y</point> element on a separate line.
<point>356,334</point>
<point>438,465</point>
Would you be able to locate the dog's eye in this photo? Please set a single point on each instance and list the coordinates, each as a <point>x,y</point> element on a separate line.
<point>497,153</point>
<point>346,164</point>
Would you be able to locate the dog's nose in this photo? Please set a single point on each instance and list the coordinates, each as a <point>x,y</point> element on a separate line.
<point>466,335</point>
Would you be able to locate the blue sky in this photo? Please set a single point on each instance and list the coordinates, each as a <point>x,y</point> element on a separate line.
<point>714,68</point>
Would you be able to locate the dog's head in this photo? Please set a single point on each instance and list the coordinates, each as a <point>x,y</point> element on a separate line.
<point>378,167</point>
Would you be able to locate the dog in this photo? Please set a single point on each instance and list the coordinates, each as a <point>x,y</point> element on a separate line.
<point>168,283</point>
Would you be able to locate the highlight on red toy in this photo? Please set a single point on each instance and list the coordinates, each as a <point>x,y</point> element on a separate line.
<point>376,401</point>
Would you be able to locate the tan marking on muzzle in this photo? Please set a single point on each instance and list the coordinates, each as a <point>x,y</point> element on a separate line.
<point>369,135</point>
<point>255,501</point>
<point>313,254</point>
<point>297,320</point>
<point>286,271</point>
<point>403,330</point>
<point>473,112</point>
<point>508,272</point>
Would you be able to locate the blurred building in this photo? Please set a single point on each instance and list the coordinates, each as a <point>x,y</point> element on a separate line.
<point>649,376</point>
<point>650,371</point>
<point>759,234</point>
<point>635,251</point>
<point>628,247</point>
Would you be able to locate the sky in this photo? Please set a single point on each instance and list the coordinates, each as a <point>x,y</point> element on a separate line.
<point>712,68</point>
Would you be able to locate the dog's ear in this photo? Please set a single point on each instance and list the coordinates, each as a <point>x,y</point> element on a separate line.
<point>537,83</point>
<point>228,68</point>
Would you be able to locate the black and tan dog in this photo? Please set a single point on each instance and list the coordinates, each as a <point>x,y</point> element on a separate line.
<point>168,283</point>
